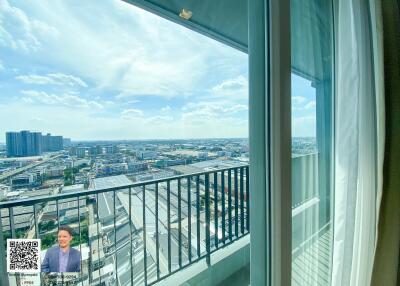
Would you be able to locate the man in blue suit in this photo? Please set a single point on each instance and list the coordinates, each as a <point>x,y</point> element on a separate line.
<point>62,258</point>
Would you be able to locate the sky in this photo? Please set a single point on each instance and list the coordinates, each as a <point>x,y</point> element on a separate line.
<point>107,70</point>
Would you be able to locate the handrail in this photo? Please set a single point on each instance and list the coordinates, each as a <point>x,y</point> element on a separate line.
<point>32,201</point>
<point>186,201</point>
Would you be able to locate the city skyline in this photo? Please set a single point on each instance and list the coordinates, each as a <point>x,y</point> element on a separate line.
<point>154,79</point>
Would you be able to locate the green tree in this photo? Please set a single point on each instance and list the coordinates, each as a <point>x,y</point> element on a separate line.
<point>69,177</point>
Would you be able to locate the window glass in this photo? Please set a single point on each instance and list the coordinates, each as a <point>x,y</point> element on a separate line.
<point>311,141</point>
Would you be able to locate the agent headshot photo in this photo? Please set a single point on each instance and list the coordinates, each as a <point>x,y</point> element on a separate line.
<point>62,258</point>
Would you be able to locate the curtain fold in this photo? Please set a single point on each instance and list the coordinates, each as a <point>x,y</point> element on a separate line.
<point>358,142</point>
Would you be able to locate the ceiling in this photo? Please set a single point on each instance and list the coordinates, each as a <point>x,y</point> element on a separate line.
<point>222,20</point>
<point>227,21</point>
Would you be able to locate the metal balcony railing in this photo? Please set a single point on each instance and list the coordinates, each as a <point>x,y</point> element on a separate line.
<point>138,233</point>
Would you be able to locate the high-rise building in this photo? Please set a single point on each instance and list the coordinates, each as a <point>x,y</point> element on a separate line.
<point>27,143</point>
<point>111,149</point>
<point>67,142</point>
<point>24,143</point>
<point>52,143</point>
<point>13,144</point>
<point>81,152</point>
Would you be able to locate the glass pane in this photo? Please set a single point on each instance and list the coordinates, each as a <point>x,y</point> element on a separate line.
<point>311,141</point>
<point>139,98</point>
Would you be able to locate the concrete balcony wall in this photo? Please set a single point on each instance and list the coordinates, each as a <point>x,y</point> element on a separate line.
<point>224,263</point>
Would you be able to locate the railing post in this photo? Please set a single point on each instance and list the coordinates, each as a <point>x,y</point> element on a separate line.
<point>115,239</point>
<point>241,201</point>
<point>189,202</point>
<point>216,209</point>
<point>247,200</point>
<point>144,235</point>
<point>198,215</point>
<point>223,204</point>
<point>179,225</point>
<point>230,204</point>
<point>169,223</point>
<point>80,236</point>
<point>130,232</point>
<point>98,234</point>
<point>236,203</point>
<point>207,189</point>
<point>11,218</point>
<point>3,268</point>
<point>157,238</point>
<point>58,215</point>
<point>35,222</point>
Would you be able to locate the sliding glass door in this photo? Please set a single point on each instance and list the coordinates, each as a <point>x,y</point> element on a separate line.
<point>312,137</point>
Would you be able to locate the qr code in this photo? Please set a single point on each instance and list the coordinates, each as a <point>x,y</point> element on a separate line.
<point>23,255</point>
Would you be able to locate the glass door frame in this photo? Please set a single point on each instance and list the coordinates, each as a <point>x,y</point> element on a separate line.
<point>270,141</point>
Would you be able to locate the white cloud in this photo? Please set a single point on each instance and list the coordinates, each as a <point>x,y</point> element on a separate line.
<point>231,84</point>
<point>78,125</point>
<point>166,109</point>
<point>137,115</point>
<point>131,113</point>
<point>52,78</point>
<point>298,99</point>
<point>136,53</point>
<point>304,126</point>
<point>159,119</point>
<point>66,99</point>
<point>310,105</point>
<point>1,66</point>
<point>197,112</point>
<point>18,31</point>
<point>37,119</point>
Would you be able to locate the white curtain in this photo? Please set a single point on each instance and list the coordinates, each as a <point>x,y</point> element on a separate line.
<point>359,142</point>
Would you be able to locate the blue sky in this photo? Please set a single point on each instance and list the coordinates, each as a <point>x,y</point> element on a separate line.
<point>108,70</point>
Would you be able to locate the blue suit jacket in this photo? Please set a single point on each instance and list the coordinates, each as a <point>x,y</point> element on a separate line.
<point>51,263</point>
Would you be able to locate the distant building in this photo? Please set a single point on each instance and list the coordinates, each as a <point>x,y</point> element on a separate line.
<point>94,151</point>
<point>202,155</point>
<point>81,152</point>
<point>57,171</point>
<point>224,154</point>
<point>154,175</point>
<point>137,167</point>
<point>72,151</point>
<point>52,143</point>
<point>147,155</point>
<point>99,150</point>
<point>26,143</point>
<point>170,162</point>
<point>23,180</point>
<point>111,169</point>
<point>23,144</point>
<point>13,195</point>
<point>111,149</point>
<point>80,162</point>
<point>4,189</point>
<point>73,188</point>
<point>67,142</point>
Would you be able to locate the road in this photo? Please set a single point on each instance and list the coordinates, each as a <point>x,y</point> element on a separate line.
<point>25,168</point>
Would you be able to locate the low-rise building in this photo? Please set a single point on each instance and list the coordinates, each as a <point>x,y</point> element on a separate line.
<point>56,171</point>
<point>147,155</point>
<point>134,167</point>
<point>73,188</point>
<point>23,180</point>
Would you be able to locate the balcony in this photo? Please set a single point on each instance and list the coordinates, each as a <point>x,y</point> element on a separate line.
<point>148,232</point>
<point>139,233</point>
